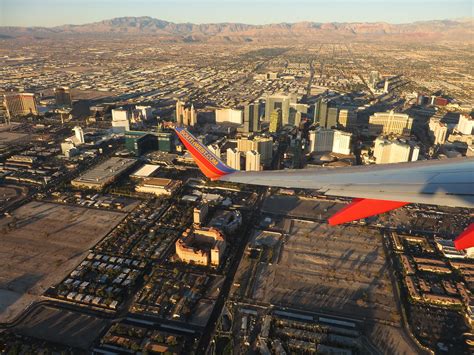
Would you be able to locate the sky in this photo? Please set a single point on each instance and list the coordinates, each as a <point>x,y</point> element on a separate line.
<point>58,12</point>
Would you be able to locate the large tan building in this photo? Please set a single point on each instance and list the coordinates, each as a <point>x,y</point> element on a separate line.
<point>158,186</point>
<point>202,246</point>
<point>233,158</point>
<point>263,145</point>
<point>252,161</point>
<point>20,104</point>
<point>438,131</point>
<point>394,151</point>
<point>390,123</point>
<point>185,116</point>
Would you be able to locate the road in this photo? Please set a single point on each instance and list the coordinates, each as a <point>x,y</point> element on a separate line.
<point>208,332</point>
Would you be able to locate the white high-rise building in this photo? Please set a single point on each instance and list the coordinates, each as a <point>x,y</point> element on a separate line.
<point>438,131</point>
<point>330,140</point>
<point>229,115</point>
<point>185,116</point>
<point>465,125</point>
<point>233,158</point>
<point>214,148</point>
<point>394,151</point>
<point>120,120</point>
<point>145,112</point>
<point>252,161</point>
<point>79,135</point>
<point>390,122</point>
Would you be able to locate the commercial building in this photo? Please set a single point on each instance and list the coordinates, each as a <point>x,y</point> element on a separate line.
<point>347,118</point>
<point>279,102</point>
<point>141,142</point>
<point>465,125</point>
<point>263,145</point>
<point>374,78</point>
<point>229,115</point>
<point>120,120</point>
<point>215,149</point>
<point>185,116</point>
<point>79,135</point>
<point>200,213</point>
<point>252,161</point>
<point>330,140</point>
<point>20,104</point>
<point>331,119</point>
<point>296,113</point>
<point>158,186</point>
<point>165,141</point>
<point>138,142</point>
<point>233,158</point>
<point>104,174</point>
<point>145,112</point>
<point>394,151</point>
<point>275,121</point>
<point>202,246</point>
<point>438,131</point>
<point>69,149</point>
<point>146,171</point>
<point>251,117</point>
<point>62,96</point>
<point>390,123</point>
<point>321,112</point>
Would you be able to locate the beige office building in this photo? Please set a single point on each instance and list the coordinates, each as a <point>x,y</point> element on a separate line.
<point>390,123</point>
<point>233,158</point>
<point>252,161</point>
<point>438,131</point>
<point>263,145</point>
<point>394,151</point>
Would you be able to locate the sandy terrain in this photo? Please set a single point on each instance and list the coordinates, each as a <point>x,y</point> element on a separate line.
<point>40,244</point>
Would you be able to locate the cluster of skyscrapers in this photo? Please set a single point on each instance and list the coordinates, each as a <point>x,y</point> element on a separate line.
<point>185,116</point>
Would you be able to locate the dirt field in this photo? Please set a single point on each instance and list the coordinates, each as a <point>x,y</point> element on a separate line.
<point>40,244</point>
<point>340,270</point>
<point>62,326</point>
<point>333,268</point>
<point>10,194</point>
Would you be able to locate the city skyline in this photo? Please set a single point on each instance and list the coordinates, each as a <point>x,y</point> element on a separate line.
<point>51,13</point>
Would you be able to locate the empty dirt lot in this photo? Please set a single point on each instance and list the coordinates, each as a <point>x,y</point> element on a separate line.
<point>40,244</point>
<point>341,270</point>
<point>332,268</point>
<point>62,326</point>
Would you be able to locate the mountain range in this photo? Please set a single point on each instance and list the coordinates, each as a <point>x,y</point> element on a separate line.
<point>437,30</point>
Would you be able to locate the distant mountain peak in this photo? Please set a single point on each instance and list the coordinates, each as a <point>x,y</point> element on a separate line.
<point>458,29</point>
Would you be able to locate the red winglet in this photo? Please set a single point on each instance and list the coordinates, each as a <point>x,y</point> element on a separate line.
<point>362,208</point>
<point>466,239</point>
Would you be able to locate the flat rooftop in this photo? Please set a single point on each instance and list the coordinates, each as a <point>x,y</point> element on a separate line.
<point>103,173</point>
<point>146,170</point>
<point>158,182</point>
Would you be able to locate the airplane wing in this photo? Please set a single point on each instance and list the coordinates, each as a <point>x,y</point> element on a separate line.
<point>375,189</point>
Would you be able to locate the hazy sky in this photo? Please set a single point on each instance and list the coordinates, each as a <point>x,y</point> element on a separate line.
<point>58,12</point>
